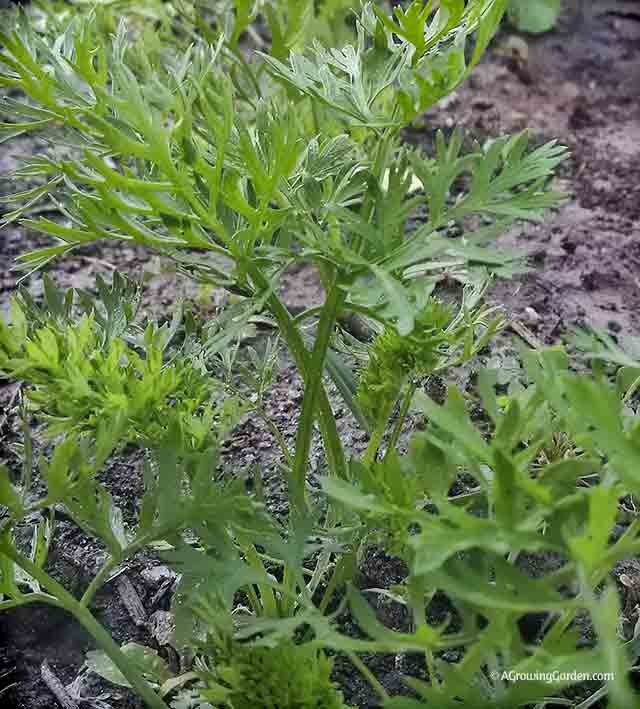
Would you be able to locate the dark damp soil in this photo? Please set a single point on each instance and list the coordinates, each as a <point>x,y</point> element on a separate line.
<point>580,84</point>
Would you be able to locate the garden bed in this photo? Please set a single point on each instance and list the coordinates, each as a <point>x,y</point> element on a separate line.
<point>580,84</point>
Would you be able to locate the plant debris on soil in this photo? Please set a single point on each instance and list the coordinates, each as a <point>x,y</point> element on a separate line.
<point>580,84</point>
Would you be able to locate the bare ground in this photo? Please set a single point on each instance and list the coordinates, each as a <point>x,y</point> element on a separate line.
<point>580,84</point>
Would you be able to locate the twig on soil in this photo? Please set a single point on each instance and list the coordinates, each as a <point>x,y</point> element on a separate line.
<point>7,687</point>
<point>12,400</point>
<point>526,334</point>
<point>625,10</point>
<point>131,601</point>
<point>56,687</point>
<point>100,262</point>
<point>161,592</point>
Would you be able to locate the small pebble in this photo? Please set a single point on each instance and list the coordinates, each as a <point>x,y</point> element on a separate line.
<point>162,627</point>
<point>156,575</point>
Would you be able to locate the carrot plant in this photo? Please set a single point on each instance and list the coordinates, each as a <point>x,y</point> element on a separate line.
<point>531,497</point>
<point>235,168</point>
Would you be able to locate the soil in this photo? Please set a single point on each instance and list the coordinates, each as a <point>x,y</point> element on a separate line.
<point>579,84</point>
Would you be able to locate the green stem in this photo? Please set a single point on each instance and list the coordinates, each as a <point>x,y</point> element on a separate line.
<point>27,599</point>
<point>419,610</point>
<point>377,169</point>
<point>268,600</point>
<point>244,64</point>
<point>112,562</point>
<point>316,118</point>
<point>312,394</point>
<point>269,423</point>
<point>277,434</point>
<point>402,415</point>
<point>378,432</point>
<point>566,618</point>
<point>369,676</point>
<point>374,442</point>
<point>254,601</point>
<point>63,599</point>
<point>308,313</point>
<point>133,548</point>
<point>632,390</point>
<point>331,439</point>
<point>105,641</point>
<point>335,579</point>
<point>593,699</point>
<point>97,582</point>
<point>319,572</point>
<point>431,667</point>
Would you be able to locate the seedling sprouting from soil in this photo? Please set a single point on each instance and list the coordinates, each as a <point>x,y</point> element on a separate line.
<point>237,170</point>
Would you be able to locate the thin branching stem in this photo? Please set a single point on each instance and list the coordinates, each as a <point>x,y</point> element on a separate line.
<point>402,416</point>
<point>369,676</point>
<point>98,581</point>
<point>61,598</point>
<point>291,335</point>
<point>313,387</point>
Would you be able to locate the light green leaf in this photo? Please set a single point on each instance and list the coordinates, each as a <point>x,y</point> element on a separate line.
<point>500,587</point>
<point>448,418</point>
<point>347,385</point>
<point>398,303</point>
<point>347,494</point>
<point>9,496</point>
<point>535,16</point>
<point>606,616</point>
<point>144,659</point>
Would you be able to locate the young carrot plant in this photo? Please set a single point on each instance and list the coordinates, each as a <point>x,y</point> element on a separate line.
<point>515,637</point>
<point>236,170</point>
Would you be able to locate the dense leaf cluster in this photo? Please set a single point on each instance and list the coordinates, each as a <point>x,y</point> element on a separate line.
<point>274,677</point>
<point>85,375</point>
<point>234,167</point>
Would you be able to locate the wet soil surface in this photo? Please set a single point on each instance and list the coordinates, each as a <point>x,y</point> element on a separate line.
<point>580,84</point>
